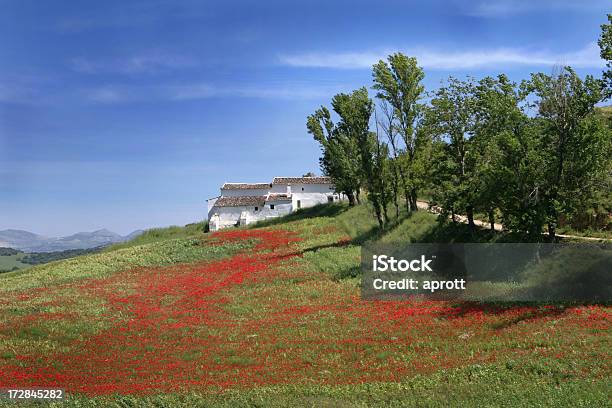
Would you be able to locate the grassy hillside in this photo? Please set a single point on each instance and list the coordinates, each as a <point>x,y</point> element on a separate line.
<point>10,261</point>
<point>160,234</point>
<point>272,316</point>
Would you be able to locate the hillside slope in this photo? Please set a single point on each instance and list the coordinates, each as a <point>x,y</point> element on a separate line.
<point>272,316</point>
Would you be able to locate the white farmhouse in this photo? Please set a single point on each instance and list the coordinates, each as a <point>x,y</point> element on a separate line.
<point>244,203</point>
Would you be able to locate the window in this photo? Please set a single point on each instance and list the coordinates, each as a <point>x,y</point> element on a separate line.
<point>256,208</point>
<point>299,204</point>
<point>271,206</point>
<point>302,188</point>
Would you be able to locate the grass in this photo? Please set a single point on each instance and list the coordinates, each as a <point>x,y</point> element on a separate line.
<point>160,234</point>
<point>475,386</point>
<point>183,318</point>
<point>12,262</point>
<point>100,265</point>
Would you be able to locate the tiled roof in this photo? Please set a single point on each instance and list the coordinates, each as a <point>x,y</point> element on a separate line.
<point>278,197</point>
<point>240,201</point>
<point>245,186</point>
<point>302,180</point>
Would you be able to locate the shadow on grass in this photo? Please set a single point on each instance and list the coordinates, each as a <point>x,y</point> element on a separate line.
<point>517,311</point>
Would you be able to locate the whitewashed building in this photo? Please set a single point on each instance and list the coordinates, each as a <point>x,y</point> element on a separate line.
<point>244,203</point>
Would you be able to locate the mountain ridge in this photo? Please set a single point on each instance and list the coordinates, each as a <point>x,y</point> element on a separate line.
<point>31,242</point>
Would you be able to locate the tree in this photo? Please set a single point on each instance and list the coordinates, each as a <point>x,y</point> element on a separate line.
<point>605,45</point>
<point>575,144</point>
<point>452,119</point>
<point>339,159</point>
<point>398,83</point>
<point>355,110</point>
<point>498,142</point>
<point>512,175</point>
<point>386,123</point>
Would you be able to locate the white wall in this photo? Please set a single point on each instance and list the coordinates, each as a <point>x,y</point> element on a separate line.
<point>211,203</point>
<point>280,208</point>
<point>311,194</point>
<point>230,216</point>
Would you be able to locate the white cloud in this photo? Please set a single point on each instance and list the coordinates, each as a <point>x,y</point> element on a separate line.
<point>140,64</point>
<point>588,57</point>
<point>112,94</point>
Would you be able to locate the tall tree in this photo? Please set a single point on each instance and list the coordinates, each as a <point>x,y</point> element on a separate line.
<point>398,83</point>
<point>386,123</point>
<point>497,111</point>
<point>452,118</point>
<point>339,158</point>
<point>605,45</point>
<point>575,141</point>
<point>355,110</point>
<point>508,157</point>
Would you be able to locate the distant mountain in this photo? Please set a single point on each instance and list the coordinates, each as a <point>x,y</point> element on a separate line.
<point>19,239</point>
<point>30,242</point>
<point>133,235</point>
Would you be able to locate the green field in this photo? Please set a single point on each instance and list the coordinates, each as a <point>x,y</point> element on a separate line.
<point>271,316</point>
<point>10,262</point>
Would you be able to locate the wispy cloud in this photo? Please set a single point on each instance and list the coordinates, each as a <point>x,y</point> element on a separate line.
<point>140,64</point>
<point>113,94</point>
<point>127,15</point>
<point>505,8</point>
<point>587,57</point>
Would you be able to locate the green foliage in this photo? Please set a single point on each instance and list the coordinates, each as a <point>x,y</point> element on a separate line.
<point>339,158</point>
<point>37,258</point>
<point>399,89</point>
<point>576,143</point>
<point>8,251</point>
<point>605,45</point>
<point>452,119</point>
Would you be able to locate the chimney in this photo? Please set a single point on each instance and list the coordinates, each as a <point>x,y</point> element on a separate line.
<point>288,190</point>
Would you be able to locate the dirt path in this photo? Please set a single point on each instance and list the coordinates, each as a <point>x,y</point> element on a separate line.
<point>424,205</point>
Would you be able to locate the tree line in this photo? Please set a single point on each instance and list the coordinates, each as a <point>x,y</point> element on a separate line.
<point>532,154</point>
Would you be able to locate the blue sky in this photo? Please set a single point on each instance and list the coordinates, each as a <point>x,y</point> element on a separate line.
<point>130,114</point>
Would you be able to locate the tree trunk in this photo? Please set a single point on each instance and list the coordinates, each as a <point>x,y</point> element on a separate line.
<point>405,187</point>
<point>351,197</point>
<point>413,198</point>
<point>552,231</point>
<point>395,186</point>
<point>396,203</point>
<point>357,196</point>
<point>492,219</point>
<point>386,216</point>
<point>453,216</point>
<point>470,216</point>
<point>379,217</point>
